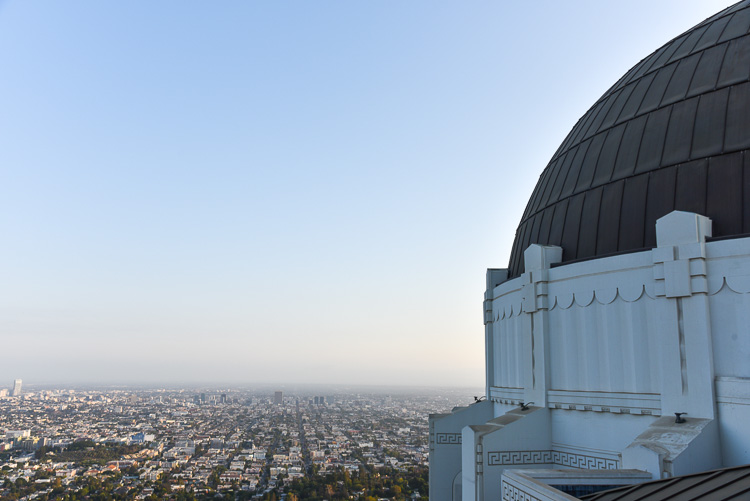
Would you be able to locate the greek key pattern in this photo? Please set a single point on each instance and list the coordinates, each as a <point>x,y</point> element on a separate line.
<point>518,457</point>
<point>448,438</point>
<point>584,461</point>
<point>502,458</point>
<point>513,493</point>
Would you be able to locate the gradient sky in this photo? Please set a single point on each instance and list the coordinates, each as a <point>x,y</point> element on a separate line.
<point>281,191</point>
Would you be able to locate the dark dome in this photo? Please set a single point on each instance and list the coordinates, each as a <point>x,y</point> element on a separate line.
<point>672,134</point>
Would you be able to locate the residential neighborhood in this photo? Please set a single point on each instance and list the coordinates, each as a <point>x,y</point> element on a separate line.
<point>237,443</point>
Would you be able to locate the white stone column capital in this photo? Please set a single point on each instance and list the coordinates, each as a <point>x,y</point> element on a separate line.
<point>678,228</point>
<point>679,258</point>
<point>541,257</point>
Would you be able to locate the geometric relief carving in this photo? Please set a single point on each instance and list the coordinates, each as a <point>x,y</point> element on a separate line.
<point>583,298</point>
<point>739,284</point>
<point>513,493</point>
<point>518,457</point>
<point>448,438</point>
<point>582,461</point>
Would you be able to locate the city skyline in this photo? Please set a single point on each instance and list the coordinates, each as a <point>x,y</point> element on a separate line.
<point>271,194</point>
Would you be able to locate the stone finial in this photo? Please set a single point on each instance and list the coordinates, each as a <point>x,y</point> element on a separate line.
<point>541,257</point>
<point>679,258</point>
<point>679,228</point>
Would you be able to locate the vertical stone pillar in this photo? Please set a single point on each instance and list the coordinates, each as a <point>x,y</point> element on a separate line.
<point>494,278</point>
<point>538,259</point>
<point>686,345</point>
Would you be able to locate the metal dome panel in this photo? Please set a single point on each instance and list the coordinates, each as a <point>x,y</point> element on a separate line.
<point>672,134</point>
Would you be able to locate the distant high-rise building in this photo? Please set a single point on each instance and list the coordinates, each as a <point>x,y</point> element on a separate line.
<point>17,388</point>
<point>278,397</point>
<point>223,398</point>
<point>203,398</point>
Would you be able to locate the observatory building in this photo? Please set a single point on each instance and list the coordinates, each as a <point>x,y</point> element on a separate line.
<point>627,297</point>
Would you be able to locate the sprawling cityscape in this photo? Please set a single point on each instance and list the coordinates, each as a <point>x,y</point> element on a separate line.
<point>178,443</point>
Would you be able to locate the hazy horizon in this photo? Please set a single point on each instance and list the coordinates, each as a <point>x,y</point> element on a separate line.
<point>276,191</point>
<point>269,388</point>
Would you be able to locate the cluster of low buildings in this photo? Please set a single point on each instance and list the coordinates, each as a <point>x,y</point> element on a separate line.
<point>206,441</point>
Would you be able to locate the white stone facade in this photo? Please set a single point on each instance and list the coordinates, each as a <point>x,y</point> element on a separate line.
<point>608,350</point>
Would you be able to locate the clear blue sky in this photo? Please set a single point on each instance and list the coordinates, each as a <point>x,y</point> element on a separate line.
<point>281,191</point>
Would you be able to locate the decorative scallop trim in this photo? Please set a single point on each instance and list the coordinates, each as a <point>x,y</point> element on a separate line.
<point>513,307</point>
<point>737,284</point>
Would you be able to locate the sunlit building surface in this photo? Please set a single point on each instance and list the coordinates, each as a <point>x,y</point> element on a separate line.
<point>627,297</point>
<point>16,388</point>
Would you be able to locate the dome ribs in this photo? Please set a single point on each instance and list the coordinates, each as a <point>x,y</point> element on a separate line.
<point>558,223</point>
<point>630,146</point>
<point>687,46</point>
<point>587,233</point>
<point>707,71</point>
<point>572,227</point>
<point>737,26</point>
<point>546,224</point>
<point>737,135</point>
<point>649,72</point>
<point>636,97</point>
<point>655,92</point>
<point>652,145</point>
<point>565,163</point>
<point>617,106</point>
<point>659,201</point>
<point>711,35</point>
<point>736,65</point>
<point>680,81</point>
<point>710,124</point>
<point>571,180</point>
<point>724,193</point>
<point>586,175</point>
<point>690,190</point>
<point>633,213</point>
<point>672,133</point>
<point>666,56</point>
<point>679,136</point>
<point>606,163</point>
<point>609,218</point>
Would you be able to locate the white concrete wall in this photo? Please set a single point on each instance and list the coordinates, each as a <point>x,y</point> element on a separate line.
<point>610,345</point>
<point>729,299</point>
<point>445,446</point>
<point>508,336</point>
<point>595,439</point>
<point>733,401</point>
<point>636,335</point>
<point>515,438</point>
